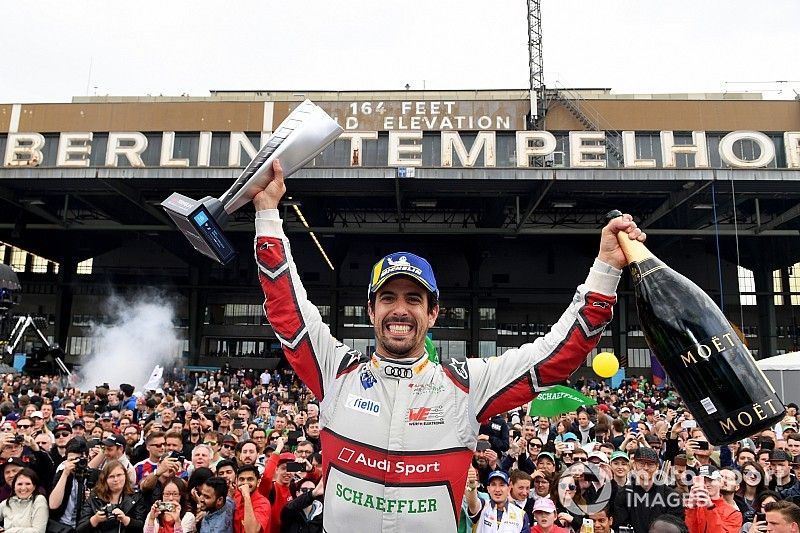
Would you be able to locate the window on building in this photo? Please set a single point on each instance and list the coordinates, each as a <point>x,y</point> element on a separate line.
<point>365,346</point>
<point>2,253</point>
<point>747,287</point>
<point>18,259</point>
<point>639,357</point>
<point>453,317</point>
<point>356,316</point>
<point>777,286</point>
<point>487,349</point>
<point>794,283</point>
<point>80,345</point>
<point>85,267</point>
<point>39,264</point>
<point>488,319</point>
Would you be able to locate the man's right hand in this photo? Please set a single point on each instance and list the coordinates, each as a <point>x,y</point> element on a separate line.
<point>273,192</point>
<point>69,466</point>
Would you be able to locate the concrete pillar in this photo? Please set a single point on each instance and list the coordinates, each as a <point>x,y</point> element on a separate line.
<point>64,295</point>
<point>767,334</point>
<point>474,260</point>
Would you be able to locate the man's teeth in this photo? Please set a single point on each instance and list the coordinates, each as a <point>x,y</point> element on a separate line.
<point>399,328</point>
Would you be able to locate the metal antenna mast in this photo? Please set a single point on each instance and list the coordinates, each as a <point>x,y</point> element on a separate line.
<point>536,63</point>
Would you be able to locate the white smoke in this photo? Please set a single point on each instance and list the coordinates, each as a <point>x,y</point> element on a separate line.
<point>137,334</point>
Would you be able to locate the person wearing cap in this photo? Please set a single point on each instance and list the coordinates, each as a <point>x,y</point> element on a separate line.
<point>64,498</point>
<point>783,479</point>
<point>114,450</point>
<point>62,433</point>
<point>544,512</point>
<point>442,401</point>
<point>546,462</point>
<point>641,500</point>
<point>30,453</point>
<point>499,513</point>
<point>620,467</point>
<point>276,480</point>
<point>706,510</point>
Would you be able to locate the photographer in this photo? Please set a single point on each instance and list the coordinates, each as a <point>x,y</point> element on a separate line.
<point>171,512</point>
<point>73,478</point>
<point>112,505</point>
<point>25,448</point>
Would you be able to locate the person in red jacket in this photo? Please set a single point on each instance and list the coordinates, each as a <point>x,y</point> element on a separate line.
<point>706,510</point>
<point>252,512</point>
<point>275,482</point>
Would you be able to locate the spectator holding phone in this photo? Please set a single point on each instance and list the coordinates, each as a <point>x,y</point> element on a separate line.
<point>304,513</point>
<point>706,510</point>
<point>171,512</point>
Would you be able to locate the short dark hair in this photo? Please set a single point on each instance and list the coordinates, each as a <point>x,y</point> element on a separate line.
<point>519,475</point>
<point>672,521</point>
<point>433,300</point>
<point>227,462</point>
<point>789,510</point>
<point>247,468</point>
<point>218,485</point>
<point>77,445</point>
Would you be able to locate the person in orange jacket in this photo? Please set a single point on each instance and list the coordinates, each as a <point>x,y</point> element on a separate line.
<point>706,510</point>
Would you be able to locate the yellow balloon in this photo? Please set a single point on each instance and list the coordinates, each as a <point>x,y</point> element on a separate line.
<point>605,364</point>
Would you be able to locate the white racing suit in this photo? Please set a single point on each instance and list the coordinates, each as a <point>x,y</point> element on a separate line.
<point>397,437</point>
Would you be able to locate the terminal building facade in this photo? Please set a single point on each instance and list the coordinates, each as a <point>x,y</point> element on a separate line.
<point>507,210</point>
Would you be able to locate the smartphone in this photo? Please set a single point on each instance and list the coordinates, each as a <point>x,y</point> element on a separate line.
<point>570,446</point>
<point>634,427</point>
<point>292,436</point>
<point>62,412</point>
<point>689,424</point>
<point>588,525</point>
<point>702,445</point>
<point>295,467</point>
<point>761,517</point>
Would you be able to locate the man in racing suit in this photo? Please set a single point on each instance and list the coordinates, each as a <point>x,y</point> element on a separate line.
<point>400,426</point>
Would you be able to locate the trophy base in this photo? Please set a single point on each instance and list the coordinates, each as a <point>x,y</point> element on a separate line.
<point>201,222</point>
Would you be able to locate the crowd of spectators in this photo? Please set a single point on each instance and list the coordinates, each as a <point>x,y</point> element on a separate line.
<point>238,450</point>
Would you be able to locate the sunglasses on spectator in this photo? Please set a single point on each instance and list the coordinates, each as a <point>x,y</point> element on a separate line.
<point>63,434</point>
<point>566,486</point>
<point>306,489</point>
<point>534,445</point>
<point>229,446</point>
<point>581,459</point>
<point>210,443</point>
<point>24,426</point>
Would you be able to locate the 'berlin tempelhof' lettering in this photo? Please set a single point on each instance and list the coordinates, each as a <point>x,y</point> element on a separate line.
<point>405,149</point>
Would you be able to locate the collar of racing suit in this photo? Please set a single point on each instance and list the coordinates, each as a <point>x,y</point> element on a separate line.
<point>399,368</point>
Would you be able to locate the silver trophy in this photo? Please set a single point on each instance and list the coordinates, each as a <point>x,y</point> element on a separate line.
<point>301,136</point>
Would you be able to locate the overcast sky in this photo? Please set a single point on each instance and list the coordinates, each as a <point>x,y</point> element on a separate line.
<point>59,49</point>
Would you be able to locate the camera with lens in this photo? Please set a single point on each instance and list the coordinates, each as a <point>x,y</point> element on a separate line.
<point>19,439</point>
<point>108,510</point>
<point>177,455</point>
<point>165,506</point>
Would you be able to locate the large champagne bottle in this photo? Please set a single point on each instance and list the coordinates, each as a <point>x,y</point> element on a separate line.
<point>712,370</point>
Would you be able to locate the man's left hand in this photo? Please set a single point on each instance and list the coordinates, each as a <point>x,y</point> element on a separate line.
<point>610,251</point>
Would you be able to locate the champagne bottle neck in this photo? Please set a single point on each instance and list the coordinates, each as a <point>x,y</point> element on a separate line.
<point>634,251</point>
